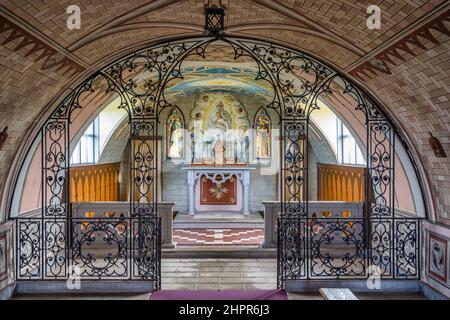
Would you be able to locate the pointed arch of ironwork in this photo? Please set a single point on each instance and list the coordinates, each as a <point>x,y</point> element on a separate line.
<point>299,81</point>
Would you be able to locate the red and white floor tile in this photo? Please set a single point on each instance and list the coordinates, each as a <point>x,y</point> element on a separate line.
<point>217,237</point>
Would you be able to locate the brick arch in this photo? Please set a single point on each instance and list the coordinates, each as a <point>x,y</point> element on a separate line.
<point>94,97</point>
<point>396,91</point>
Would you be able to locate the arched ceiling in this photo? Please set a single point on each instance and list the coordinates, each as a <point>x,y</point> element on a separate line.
<point>404,64</point>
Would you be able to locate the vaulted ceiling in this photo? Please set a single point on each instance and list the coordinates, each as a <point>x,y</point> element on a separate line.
<point>405,64</point>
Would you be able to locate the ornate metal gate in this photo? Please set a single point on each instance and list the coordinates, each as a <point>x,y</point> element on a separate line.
<point>48,245</point>
<point>55,245</point>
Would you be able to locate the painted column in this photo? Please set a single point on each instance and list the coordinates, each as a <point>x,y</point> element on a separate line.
<point>191,190</point>
<point>246,187</point>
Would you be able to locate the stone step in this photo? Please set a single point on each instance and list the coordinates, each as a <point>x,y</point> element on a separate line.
<point>218,220</point>
<point>241,252</point>
<point>217,225</point>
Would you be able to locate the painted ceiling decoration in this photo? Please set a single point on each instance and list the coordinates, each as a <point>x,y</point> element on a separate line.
<point>220,79</point>
<point>398,50</point>
<point>52,58</point>
<point>67,60</point>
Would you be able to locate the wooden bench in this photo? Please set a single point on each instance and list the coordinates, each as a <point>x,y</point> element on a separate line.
<point>337,294</point>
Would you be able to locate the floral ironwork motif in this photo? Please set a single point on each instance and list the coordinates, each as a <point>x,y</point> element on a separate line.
<point>337,248</point>
<point>29,249</point>
<point>100,233</point>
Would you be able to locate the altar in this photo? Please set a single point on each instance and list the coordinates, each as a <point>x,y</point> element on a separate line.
<point>220,189</point>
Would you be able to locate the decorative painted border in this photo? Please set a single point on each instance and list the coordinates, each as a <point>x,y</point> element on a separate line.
<point>380,62</point>
<point>3,237</point>
<point>52,57</point>
<point>432,274</point>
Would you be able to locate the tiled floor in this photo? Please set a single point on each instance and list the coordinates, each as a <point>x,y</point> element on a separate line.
<point>218,274</point>
<point>218,220</point>
<point>216,236</point>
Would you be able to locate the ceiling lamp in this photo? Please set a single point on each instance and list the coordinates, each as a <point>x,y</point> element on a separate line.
<point>214,18</point>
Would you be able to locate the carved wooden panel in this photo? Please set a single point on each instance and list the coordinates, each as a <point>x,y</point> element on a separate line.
<point>341,182</point>
<point>94,183</point>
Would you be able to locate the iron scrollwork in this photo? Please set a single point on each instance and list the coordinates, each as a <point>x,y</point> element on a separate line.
<point>143,169</point>
<point>381,239</point>
<point>55,166</point>
<point>100,246</point>
<point>407,248</point>
<point>29,244</point>
<point>300,84</point>
<point>147,249</point>
<point>381,167</point>
<point>337,248</point>
<point>55,248</point>
<point>292,246</point>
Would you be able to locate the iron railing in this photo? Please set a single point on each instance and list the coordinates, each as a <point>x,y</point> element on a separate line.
<point>89,248</point>
<point>341,248</point>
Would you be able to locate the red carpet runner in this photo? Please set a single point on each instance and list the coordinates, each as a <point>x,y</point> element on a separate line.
<point>219,295</point>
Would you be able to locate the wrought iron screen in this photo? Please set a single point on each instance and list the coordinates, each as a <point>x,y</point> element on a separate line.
<point>308,248</point>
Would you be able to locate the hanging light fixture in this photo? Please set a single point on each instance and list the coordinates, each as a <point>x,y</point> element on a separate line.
<point>214,18</point>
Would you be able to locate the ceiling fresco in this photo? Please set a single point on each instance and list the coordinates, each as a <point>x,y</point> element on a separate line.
<point>223,78</point>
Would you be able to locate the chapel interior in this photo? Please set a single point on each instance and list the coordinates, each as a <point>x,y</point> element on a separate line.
<point>219,119</point>
<point>276,143</point>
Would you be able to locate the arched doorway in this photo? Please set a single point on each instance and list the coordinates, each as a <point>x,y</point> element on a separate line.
<point>312,243</point>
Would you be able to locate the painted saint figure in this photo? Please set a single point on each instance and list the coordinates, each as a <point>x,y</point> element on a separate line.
<point>198,139</point>
<point>263,127</point>
<point>218,117</point>
<point>221,119</point>
<point>175,141</point>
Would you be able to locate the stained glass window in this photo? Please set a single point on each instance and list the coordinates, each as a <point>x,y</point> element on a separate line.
<point>175,134</point>
<point>263,126</point>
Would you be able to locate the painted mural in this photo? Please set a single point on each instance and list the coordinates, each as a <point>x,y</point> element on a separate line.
<point>175,134</point>
<point>224,79</point>
<point>219,124</point>
<point>263,126</point>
